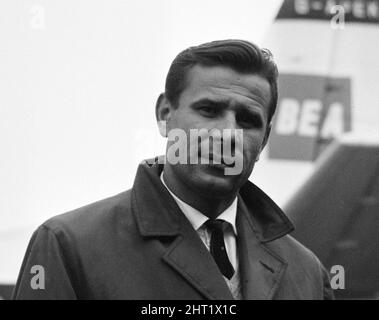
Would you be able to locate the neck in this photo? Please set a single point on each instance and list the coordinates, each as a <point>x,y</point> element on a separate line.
<point>210,206</point>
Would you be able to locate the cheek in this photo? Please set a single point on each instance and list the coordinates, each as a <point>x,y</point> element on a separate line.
<point>251,148</point>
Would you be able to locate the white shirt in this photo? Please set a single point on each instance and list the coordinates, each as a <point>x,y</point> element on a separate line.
<point>197,220</point>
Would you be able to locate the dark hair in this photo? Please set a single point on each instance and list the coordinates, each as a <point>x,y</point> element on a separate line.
<point>242,56</point>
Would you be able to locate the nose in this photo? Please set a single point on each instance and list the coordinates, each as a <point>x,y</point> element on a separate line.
<point>228,121</point>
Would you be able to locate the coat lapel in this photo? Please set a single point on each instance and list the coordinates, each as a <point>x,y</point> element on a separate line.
<point>189,257</point>
<point>261,270</point>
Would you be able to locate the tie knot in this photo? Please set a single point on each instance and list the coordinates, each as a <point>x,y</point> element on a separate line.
<point>216,224</point>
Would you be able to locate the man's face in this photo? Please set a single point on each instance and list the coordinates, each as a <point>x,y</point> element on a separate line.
<point>221,98</point>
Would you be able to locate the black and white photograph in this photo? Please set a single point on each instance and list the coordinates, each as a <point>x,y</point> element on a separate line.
<point>189,150</point>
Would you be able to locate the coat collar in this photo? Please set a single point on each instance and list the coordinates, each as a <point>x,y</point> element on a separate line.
<point>150,196</point>
<point>259,221</point>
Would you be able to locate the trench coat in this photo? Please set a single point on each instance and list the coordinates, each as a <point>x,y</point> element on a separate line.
<point>139,245</point>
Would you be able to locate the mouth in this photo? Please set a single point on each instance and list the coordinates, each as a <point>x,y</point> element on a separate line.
<point>218,161</point>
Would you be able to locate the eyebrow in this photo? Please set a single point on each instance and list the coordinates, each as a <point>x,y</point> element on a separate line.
<point>211,103</point>
<point>224,104</point>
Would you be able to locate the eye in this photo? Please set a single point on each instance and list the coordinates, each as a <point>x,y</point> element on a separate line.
<point>208,111</point>
<point>248,120</point>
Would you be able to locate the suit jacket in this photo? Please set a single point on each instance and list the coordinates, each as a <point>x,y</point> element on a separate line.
<point>139,245</point>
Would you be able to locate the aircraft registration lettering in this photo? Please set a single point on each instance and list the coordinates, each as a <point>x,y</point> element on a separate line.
<point>355,10</point>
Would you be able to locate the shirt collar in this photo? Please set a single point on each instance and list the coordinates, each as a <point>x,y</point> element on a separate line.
<point>197,219</point>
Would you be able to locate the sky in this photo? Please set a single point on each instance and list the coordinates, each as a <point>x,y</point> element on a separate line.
<point>80,80</point>
<point>79,83</point>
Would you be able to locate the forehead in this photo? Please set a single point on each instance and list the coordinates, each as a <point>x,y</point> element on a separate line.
<point>223,83</point>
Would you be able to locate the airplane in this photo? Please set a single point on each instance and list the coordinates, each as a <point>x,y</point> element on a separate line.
<point>325,134</point>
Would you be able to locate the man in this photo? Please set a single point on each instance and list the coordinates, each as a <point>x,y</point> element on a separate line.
<point>187,229</point>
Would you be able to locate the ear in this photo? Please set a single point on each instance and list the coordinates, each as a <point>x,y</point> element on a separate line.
<point>265,139</point>
<point>163,111</point>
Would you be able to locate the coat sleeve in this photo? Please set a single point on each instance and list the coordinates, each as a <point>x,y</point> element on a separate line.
<point>44,272</point>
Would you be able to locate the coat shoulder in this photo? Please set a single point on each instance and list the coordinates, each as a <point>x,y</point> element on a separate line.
<point>93,218</point>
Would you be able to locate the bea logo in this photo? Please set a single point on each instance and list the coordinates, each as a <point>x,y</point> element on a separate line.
<point>312,111</point>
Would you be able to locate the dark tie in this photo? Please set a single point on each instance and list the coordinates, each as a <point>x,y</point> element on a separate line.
<point>217,246</point>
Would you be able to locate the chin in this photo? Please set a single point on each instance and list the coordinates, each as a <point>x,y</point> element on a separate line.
<point>215,185</point>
